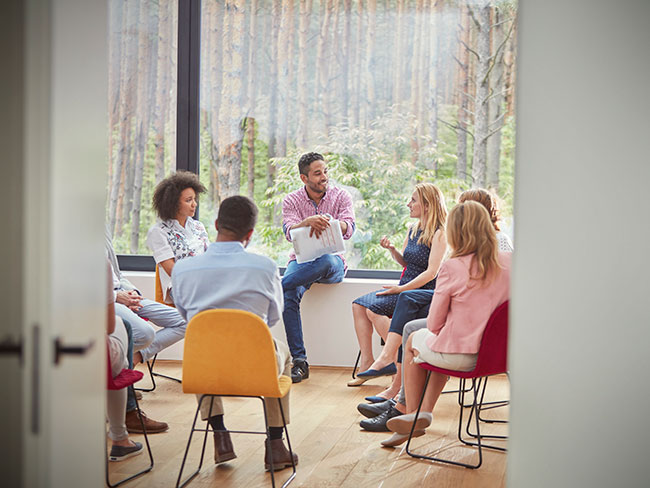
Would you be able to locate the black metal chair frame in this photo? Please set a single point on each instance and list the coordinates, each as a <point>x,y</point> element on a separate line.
<point>207,429</point>
<point>475,408</point>
<point>146,440</point>
<point>150,365</point>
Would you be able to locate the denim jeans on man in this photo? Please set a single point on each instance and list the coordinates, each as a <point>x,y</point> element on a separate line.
<point>296,281</point>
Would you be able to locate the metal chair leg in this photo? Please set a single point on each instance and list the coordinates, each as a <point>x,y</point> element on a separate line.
<point>189,442</point>
<point>146,440</point>
<point>356,365</point>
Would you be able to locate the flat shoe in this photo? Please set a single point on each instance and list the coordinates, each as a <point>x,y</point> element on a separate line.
<point>371,410</point>
<point>357,381</point>
<point>375,399</point>
<point>397,439</point>
<point>389,370</point>
<point>378,423</point>
<point>403,423</point>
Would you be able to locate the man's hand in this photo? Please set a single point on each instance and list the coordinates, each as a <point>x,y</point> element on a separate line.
<point>130,299</point>
<point>318,224</point>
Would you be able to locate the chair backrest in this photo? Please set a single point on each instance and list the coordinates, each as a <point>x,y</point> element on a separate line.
<point>493,352</point>
<point>229,352</point>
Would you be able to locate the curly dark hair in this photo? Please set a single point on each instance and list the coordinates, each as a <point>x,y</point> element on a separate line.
<point>306,159</point>
<point>168,192</point>
<point>237,214</point>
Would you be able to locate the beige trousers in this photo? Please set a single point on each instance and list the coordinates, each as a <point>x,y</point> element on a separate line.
<point>272,408</point>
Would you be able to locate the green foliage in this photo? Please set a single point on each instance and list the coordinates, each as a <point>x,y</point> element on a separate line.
<point>379,167</point>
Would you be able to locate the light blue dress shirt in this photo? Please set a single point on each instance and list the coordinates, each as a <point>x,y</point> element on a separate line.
<point>227,276</point>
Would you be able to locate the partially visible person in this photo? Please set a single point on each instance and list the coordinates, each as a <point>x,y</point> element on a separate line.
<point>176,235</point>
<point>489,201</point>
<point>422,253</point>
<point>471,285</point>
<point>227,276</point>
<point>414,304</point>
<point>121,446</point>
<point>314,205</point>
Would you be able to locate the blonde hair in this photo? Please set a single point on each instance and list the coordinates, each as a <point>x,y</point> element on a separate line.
<point>485,198</point>
<point>470,231</point>
<point>434,212</point>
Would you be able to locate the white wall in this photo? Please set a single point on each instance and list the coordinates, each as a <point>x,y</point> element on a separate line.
<point>580,336</point>
<point>326,315</point>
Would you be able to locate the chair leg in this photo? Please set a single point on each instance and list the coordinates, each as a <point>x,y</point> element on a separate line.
<point>356,365</point>
<point>460,424</point>
<point>146,440</point>
<point>491,405</point>
<point>177,380</point>
<point>476,411</point>
<point>151,375</point>
<point>189,442</point>
<point>286,432</point>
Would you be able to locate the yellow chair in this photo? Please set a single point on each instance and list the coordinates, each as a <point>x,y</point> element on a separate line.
<point>158,289</point>
<point>231,353</point>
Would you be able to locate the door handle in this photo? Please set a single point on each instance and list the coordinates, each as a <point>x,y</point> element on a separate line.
<point>8,347</point>
<point>79,350</point>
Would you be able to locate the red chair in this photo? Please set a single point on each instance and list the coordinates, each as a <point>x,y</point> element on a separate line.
<point>492,359</point>
<point>125,379</point>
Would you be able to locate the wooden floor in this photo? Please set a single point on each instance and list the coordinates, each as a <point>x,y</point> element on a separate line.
<point>334,451</point>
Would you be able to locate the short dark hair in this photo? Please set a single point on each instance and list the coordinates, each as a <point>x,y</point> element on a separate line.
<point>306,159</point>
<point>168,192</point>
<point>238,215</point>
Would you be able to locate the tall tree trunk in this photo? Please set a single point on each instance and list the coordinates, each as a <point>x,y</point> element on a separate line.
<point>463,92</point>
<point>369,66</point>
<point>497,85</point>
<point>252,98</point>
<point>284,38</point>
<point>215,66</point>
<point>509,60</point>
<point>142,120</point>
<point>115,55</point>
<point>357,70</point>
<point>162,91</point>
<point>398,55</point>
<point>273,84</point>
<point>230,117</point>
<point>125,115</point>
<point>481,117</point>
<point>416,77</point>
<point>303,101</point>
<point>322,64</point>
<point>345,64</point>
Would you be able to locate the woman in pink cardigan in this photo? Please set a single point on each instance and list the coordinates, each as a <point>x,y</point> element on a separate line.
<point>471,284</point>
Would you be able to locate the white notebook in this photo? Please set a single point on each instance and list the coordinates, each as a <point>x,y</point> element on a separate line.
<point>309,248</point>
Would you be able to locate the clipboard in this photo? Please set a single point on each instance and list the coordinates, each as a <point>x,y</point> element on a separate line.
<point>309,248</point>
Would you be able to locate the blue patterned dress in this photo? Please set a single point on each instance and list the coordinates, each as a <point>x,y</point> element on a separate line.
<point>416,257</point>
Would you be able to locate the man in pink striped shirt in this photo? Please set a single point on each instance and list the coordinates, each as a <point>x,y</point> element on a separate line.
<point>311,206</point>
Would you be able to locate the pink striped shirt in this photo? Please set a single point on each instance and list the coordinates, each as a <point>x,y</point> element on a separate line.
<point>297,206</point>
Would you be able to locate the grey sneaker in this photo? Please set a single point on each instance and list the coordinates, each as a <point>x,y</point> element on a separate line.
<point>120,453</point>
<point>378,423</point>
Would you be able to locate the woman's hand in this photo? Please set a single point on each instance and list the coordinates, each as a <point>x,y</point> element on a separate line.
<point>385,243</point>
<point>390,290</point>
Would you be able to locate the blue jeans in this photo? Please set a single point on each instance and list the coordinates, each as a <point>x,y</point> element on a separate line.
<point>296,281</point>
<point>411,305</point>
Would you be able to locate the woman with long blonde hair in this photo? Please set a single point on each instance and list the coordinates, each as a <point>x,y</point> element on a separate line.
<point>421,255</point>
<point>471,284</point>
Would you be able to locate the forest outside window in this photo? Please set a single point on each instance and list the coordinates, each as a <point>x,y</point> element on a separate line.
<point>142,114</point>
<point>392,92</point>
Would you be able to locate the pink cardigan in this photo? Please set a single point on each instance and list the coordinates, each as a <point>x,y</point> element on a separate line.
<point>460,309</point>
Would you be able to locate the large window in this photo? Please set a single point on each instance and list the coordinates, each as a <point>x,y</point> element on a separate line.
<point>142,114</point>
<point>392,92</point>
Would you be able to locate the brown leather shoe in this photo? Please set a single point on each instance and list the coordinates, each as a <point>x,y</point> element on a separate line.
<point>134,426</point>
<point>281,456</point>
<point>223,450</point>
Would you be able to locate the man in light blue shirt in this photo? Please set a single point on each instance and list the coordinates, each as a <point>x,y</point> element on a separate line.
<point>227,276</point>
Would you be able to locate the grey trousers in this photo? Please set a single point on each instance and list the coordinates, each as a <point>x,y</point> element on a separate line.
<point>272,408</point>
<point>409,328</point>
<point>145,339</point>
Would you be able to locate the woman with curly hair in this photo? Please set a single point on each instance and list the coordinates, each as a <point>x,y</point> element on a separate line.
<point>488,200</point>
<point>176,235</point>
